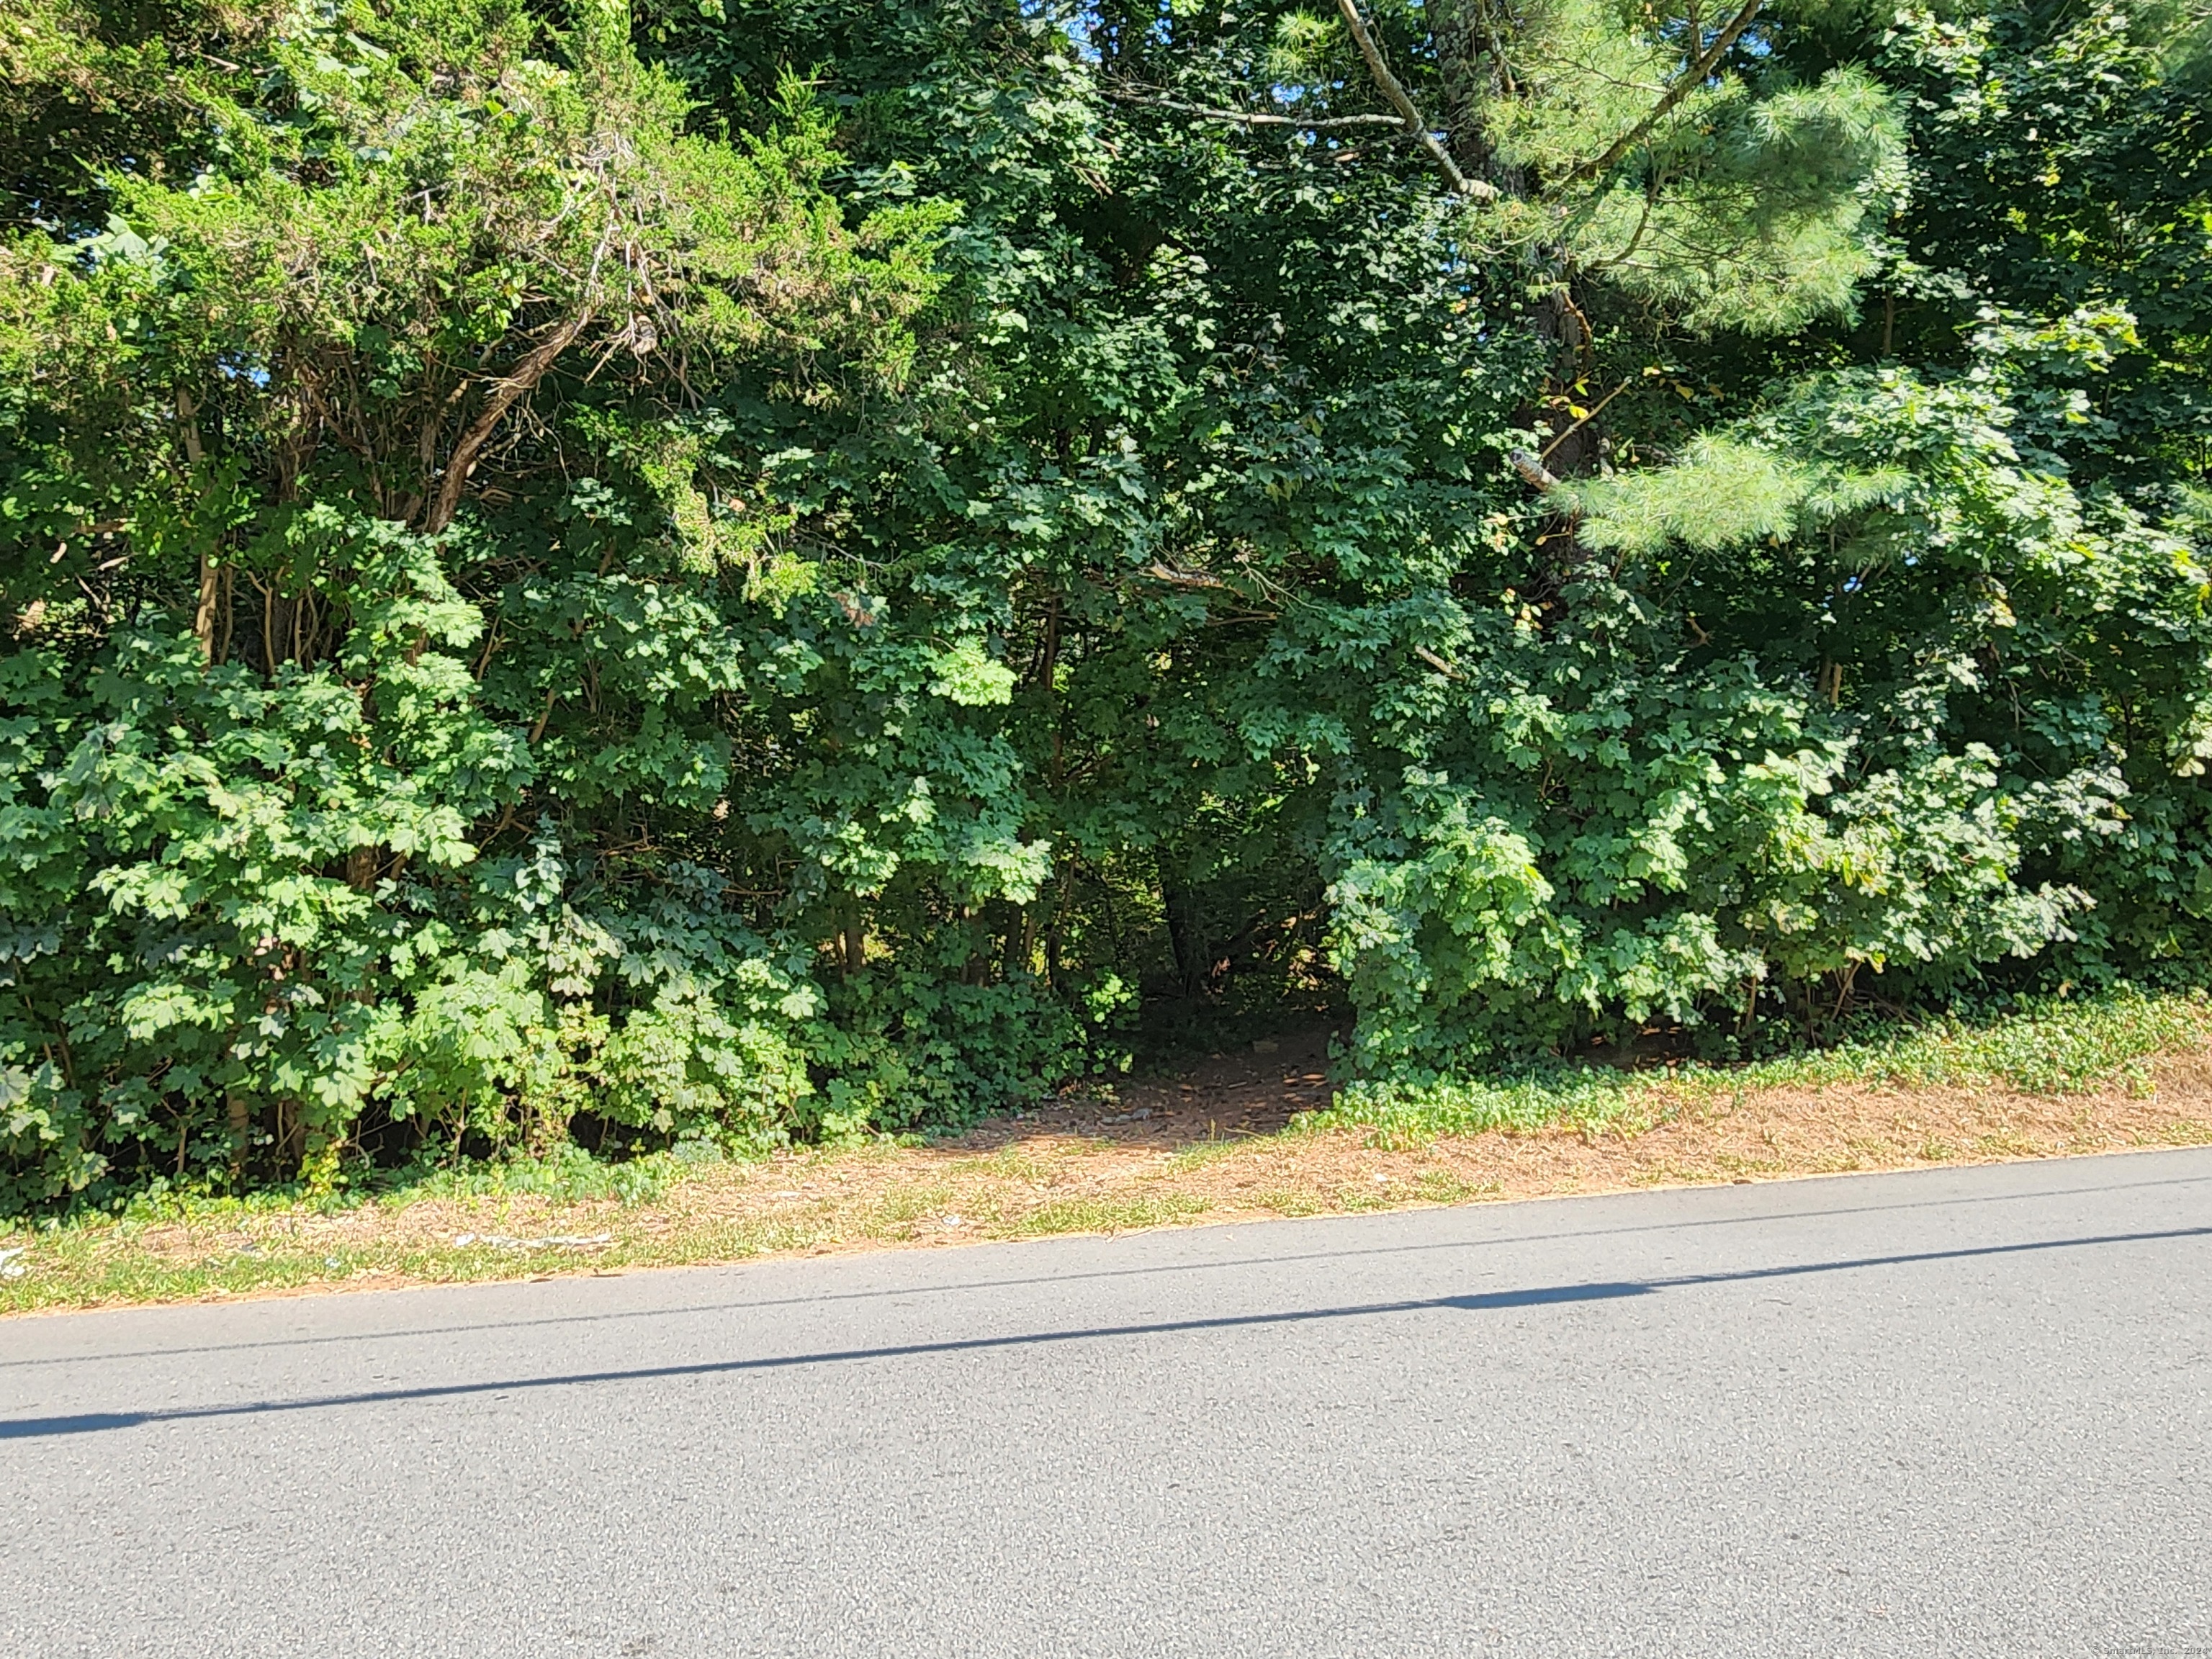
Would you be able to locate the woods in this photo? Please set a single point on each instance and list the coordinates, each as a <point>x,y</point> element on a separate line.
<point>727,572</point>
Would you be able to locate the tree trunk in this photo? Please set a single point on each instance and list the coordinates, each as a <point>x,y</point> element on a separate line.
<point>446,499</point>
<point>853,942</point>
<point>1186,921</point>
<point>1473,72</point>
<point>240,1125</point>
<point>203,617</point>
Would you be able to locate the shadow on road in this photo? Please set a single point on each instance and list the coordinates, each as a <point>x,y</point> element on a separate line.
<point>1545,1296</point>
<point>1148,1270</point>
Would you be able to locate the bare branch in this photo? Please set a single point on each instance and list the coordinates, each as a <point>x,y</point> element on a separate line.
<point>1187,578</point>
<point>1437,662</point>
<point>1252,118</point>
<point>1402,101</point>
<point>1695,75</point>
<point>1566,433</point>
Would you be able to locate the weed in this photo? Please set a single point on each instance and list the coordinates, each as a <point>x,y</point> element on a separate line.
<point>1290,1201</point>
<point>902,1207</point>
<point>1396,1135</point>
<point>1443,1187</point>
<point>1199,1153</point>
<point>1105,1215</point>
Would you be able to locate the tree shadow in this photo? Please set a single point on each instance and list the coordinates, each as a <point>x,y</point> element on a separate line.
<point>1481,1302</point>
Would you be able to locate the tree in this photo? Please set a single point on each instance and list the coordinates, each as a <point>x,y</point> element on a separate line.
<point>258,735</point>
<point>567,579</point>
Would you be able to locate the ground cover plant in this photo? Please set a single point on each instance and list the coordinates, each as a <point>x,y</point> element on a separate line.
<point>676,580</point>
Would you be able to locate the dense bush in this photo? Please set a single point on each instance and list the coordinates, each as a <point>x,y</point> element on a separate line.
<point>661,573</point>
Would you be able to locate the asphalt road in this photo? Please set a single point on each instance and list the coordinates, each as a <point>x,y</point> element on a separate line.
<point>1946,1413</point>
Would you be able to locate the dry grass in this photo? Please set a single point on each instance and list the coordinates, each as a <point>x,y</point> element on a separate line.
<point>1212,1147</point>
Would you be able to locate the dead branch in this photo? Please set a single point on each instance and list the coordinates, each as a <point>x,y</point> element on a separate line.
<point>1254,118</point>
<point>1187,578</point>
<point>1531,468</point>
<point>1437,662</point>
<point>1401,101</point>
<point>506,391</point>
<point>1595,410</point>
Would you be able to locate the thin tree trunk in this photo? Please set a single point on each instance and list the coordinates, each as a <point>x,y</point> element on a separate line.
<point>240,1124</point>
<point>852,941</point>
<point>204,617</point>
<point>1185,922</point>
<point>188,427</point>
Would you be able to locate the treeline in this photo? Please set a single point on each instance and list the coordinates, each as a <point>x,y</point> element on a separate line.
<point>740,569</point>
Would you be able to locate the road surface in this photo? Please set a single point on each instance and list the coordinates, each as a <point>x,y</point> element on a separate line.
<point>1945,1413</point>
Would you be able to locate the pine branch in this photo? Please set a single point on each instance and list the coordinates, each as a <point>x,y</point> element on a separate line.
<point>1695,75</point>
<point>1533,470</point>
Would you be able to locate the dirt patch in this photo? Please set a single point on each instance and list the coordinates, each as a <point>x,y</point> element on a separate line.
<point>1234,1162</point>
<point>1209,1146</point>
<point>1255,1091</point>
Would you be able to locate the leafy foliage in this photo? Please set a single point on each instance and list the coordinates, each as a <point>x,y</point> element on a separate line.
<point>660,575</point>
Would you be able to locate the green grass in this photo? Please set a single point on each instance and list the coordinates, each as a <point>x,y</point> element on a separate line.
<point>80,1266</point>
<point>910,1206</point>
<point>2047,1046</point>
<point>2051,1046</point>
<point>1105,1215</point>
<point>570,1175</point>
<point>88,1258</point>
<point>1199,1153</point>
